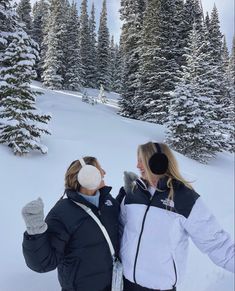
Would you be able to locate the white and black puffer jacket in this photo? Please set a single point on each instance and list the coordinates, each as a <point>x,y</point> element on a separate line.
<point>155,232</point>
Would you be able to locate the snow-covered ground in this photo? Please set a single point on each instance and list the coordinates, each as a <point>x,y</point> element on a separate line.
<point>81,129</point>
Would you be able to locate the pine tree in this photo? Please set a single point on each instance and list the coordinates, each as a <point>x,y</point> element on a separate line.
<point>161,55</point>
<point>192,129</point>
<point>115,67</point>
<point>230,75</point>
<point>225,55</point>
<point>7,24</point>
<point>118,70</point>
<point>225,67</point>
<point>231,70</point>
<point>54,62</point>
<point>112,63</point>
<point>85,97</point>
<point>24,12</point>
<point>21,123</point>
<point>192,15</point>
<point>170,55</point>
<point>150,66</point>
<point>215,36</point>
<point>207,21</point>
<point>84,42</point>
<point>178,41</point>
<point>231,66</point>
<point>132,16</point>
<point>92,60</point>
<point>72,79</point>
<point>103,50</point>
<point>220,85</point>
<point>40,18</point>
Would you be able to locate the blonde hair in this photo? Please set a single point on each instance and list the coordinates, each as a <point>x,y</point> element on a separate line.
<point>145,151</point>
<point>71,181</point>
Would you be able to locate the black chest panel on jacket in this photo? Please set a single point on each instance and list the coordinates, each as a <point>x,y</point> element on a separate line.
<point>183,201</point>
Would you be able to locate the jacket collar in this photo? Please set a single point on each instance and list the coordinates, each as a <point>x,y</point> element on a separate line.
<point>162,183</point>
<point>73,195</point>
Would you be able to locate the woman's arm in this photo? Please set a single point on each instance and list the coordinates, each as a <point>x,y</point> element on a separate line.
<point>209,236</point>
<point>122,216</point>
<point>43,251</point>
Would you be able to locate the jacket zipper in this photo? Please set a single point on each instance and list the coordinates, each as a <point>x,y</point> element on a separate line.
<point>138,245</point>
<point>175,273</point>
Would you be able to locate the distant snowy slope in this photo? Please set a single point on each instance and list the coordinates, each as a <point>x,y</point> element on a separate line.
<point>81,129</point>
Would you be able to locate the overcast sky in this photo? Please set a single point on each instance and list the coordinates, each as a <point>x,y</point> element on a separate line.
<point>225,8</point>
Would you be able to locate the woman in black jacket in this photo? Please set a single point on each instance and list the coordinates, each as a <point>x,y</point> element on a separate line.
<point>69,239</point>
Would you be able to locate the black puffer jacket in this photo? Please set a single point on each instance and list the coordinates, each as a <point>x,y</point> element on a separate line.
<point>75,245</point>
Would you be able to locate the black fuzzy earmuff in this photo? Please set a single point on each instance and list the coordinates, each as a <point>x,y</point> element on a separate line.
<point>158,163</point>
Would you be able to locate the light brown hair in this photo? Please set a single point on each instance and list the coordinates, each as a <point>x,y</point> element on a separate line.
<point>71,181</point>
<point>145,151</point>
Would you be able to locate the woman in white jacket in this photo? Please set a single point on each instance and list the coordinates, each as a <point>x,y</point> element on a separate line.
<point>159,212</point>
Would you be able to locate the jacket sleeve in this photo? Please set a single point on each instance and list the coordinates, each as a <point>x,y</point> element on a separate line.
<point>122,216</point>
<point>209,237</point>
<point>43,252</point>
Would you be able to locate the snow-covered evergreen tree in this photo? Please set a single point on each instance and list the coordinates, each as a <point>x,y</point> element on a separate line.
<point>84,42</point>
<point>192,129</point>
<point>192,15</point>
<point>230,104</point>
<point>91,76</point>
<point>118,69</point>
<point>102,97</point>
<point>21,124</point>
<point>85,97</point>
<point>112,63</point>
<point>54,62</point>
<point>220,86</point>
<point>207,21</point>
<point>160,59</point>
<point>169,55</point>
<point>231,66</point>
<point>115,67</point>
<point>225,67</point>
<point>231,72</point>
<point>132,15</point>
<point>103,60</point>
<point>225,55</point>
<point>178,35</point>
<point>150,65</point>
<point>40,18</point>
<point>24,12</point>
<point>72,78</point>
<point>215,35</point>
<point>7,25</point>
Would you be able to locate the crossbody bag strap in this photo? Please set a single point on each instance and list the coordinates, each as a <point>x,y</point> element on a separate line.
<point>103,229</point>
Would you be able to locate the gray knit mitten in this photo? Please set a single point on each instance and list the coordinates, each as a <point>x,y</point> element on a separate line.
<point>129,180</point>
<point>33,215</point>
